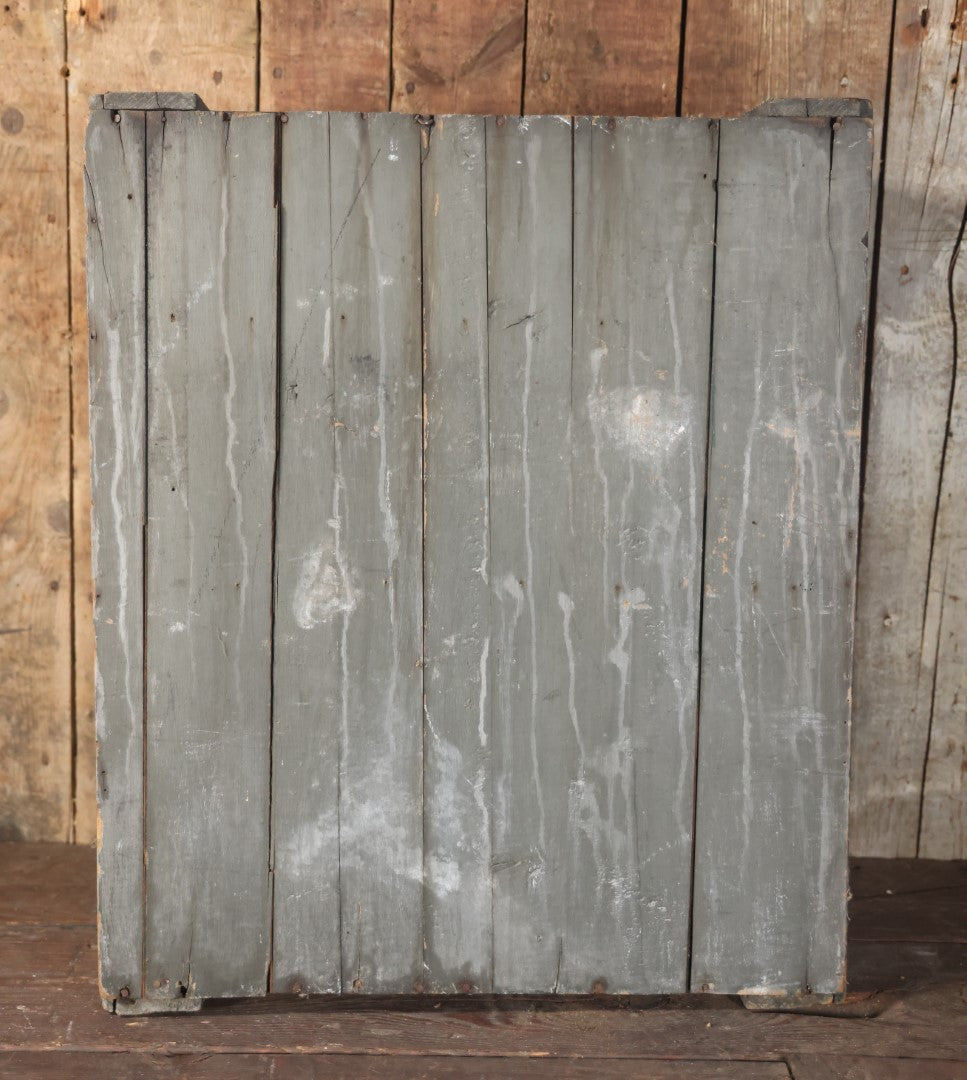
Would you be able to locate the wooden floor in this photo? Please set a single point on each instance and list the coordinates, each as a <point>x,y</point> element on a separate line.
<point>905,1015</point>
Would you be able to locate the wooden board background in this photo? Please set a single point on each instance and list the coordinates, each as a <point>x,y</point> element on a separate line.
<point>711,57</point>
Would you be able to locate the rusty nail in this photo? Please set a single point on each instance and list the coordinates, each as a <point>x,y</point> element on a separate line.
<point>124,992</point>
<point>599,986</point>
<point>116,117</point>
<point>419,987</point>
<point>466,987</point>
<point>501,120</point>
<point>297,987</point>
<point>612,124</point>
<point>357,985</point>
<point>283,118</point>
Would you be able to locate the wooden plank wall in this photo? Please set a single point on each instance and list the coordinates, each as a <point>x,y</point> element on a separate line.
<point>714,57</point>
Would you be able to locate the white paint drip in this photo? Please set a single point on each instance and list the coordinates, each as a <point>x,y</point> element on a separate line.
<point>532,153</point>
<point>482,714</point>
<point>119,407</point>
<point>232,439</point>
<point>566,604</point>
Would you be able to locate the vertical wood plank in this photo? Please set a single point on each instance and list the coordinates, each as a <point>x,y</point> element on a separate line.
<point>211,448</point>
<point>614,57</point>
<point>313,590</point>
<point>116,298</point>
<point>644,208</point>
<point>529,256</point>
<point>138,45</point>
<point>324,54</point>
<point>375,163</point>
<point>943,820</point>
<point>458,777</point>
<point>907,625</point>
<point>35,545</point>
<point>458,58</point>
<point>790,306</point>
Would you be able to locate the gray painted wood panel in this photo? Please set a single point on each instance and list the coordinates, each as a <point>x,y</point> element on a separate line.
<point>470,689</point>
<point>644,220</point>
<point>114,202</point>
<point>377,329</point>
<point>457,606</point>
<point>211,421</point>
<point>770,863</point>
<point>534,744</point>
<point>313,587</point>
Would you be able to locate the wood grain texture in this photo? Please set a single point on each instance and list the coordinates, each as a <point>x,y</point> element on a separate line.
<point>377,329</point>
<point>644,220</point>
<point>789,310</point>
<point>313,587</point>
<point>49,1012</point>
<point>822,1067</point>
<point>35,551</point>
<point>47,884</point>
<point>167,45</point>
<point>211,457</point>
<point>115,209</point>
<point>927,1023</point>
<point>739,53</point>
<point>910,630</point>
<point>458,58</point>
<point>458,643</point>
<point>53,1065</point>
<point>353,38</point>
<point>610,57</point>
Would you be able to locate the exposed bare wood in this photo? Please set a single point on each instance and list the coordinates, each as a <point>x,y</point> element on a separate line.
<point>325,54</point>
<point>911,536</point>
<point>609,57</point>
<point>741,52</point>
<point>457,58</point>
<point>35,645</point>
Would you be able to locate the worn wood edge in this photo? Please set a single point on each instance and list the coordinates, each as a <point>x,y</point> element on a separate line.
<point>150,101</point>
<point>804,1001</point>
<point>807,107</point>
<point>151,1006</point>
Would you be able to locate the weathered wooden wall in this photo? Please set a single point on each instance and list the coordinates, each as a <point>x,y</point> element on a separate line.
<point>716,57</point>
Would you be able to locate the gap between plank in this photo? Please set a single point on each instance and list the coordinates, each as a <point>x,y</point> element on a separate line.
<point>71,501</point>
<point>424,134</point>
<point>491,667</point>
<point>342,637</point>
<point>144,568</point>
<point>948,422</point>
<point>274,584</point>
<point>701,583</point>
<point>258,55</point>
<point>523,59</point>
<point>680,88</point>
<point>392,16</point>
<point>871,306</point>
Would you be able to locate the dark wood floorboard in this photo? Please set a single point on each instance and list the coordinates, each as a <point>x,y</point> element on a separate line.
<point>905,1017</point>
